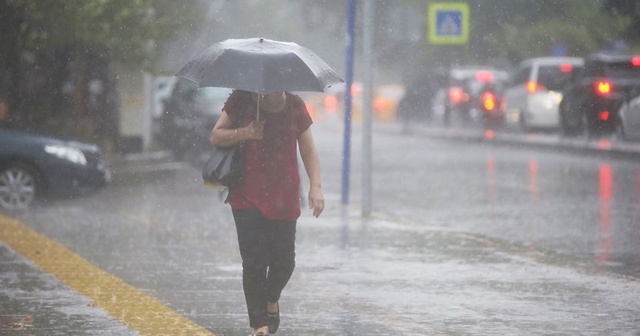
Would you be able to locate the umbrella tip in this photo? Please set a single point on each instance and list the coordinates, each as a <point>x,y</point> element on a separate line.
<point>261,40</point>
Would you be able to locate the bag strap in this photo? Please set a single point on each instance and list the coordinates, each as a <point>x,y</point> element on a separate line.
<point>244,104</point>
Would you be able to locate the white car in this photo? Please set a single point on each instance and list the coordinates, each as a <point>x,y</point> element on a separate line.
<point>534,93</point>
<point>629,122</point>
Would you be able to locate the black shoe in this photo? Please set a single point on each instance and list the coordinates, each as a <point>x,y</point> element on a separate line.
<point>259,333</point>
<point>273,320</point>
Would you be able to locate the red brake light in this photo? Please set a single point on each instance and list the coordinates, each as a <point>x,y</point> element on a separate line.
<point>603,115</point>
<point>603,88</point>
<point>455,95</point>
<point>635,61</point>
<point>489,101</point>
<point>566,67</point>
<point>484,76</point>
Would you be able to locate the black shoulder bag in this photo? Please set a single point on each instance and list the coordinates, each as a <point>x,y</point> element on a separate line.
<point>224,167</point>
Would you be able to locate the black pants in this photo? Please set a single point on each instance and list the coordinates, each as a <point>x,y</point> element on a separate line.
<point>267,248</point>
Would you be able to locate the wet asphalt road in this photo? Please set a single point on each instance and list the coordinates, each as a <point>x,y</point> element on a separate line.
<point>577,203</point>
<point>467,239</point>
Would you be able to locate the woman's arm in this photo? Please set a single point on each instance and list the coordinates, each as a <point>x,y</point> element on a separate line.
<point>224,135</point>
<point>311,163</point>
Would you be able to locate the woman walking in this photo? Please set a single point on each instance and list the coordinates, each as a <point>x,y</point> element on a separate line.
<point>266,204</point>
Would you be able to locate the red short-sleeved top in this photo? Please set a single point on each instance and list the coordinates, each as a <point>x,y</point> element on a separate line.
<point>271,182</point>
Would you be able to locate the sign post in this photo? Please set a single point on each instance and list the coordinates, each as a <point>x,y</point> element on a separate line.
<point>346,156</point>
<point>448,25</point>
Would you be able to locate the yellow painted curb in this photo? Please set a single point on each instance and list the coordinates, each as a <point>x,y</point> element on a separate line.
<point>138,311</point>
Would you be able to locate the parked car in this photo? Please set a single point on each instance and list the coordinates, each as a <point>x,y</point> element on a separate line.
<point>33,166</point>
<point>629,117</point>
<point>189,115</point>
<point>534,92</point>
<point>162,89</point>
<point>595,93</point>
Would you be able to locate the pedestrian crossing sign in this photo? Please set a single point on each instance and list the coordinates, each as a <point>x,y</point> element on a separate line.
<point>448,23</point>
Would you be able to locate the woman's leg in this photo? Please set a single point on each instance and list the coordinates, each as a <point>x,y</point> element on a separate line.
<point>252,239</point>
<point>281,244</point>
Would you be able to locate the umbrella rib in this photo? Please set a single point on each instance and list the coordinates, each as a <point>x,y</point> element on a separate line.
<point>191,80</point>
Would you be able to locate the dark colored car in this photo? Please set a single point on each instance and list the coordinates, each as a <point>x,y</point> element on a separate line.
<point>33,165</point>
<point>189,116</point>
<point>489,104</point>
<point>472,94</point>
<point>595,92</point>
<point>415,105</point>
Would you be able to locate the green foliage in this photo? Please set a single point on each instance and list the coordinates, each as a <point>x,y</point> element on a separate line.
<point>629,9</point>
<point>125,31</point>
<point>57,57</point>
<point>582,25</point>
<point>517,29</point>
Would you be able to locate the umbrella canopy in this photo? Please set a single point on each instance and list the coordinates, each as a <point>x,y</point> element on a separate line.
<point>261,66</point>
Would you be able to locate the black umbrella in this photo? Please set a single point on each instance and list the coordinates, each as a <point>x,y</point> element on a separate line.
<point>261,66</point>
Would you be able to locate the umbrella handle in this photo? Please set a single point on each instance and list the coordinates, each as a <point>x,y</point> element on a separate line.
<point>258,112</point>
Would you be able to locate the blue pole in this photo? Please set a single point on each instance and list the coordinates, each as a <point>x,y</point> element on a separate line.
<point>346,156</point>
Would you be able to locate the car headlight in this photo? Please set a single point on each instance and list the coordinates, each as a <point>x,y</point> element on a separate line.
<point>67,153</point>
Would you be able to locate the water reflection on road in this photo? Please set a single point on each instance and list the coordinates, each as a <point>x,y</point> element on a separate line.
<point>578,204</point>
<point>617,241</point>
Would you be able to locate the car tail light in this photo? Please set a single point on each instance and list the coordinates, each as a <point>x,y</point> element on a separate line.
<point>484,76</point>
<point>566,67</point>
<point>455,95</point>
<point>489,134</point>
<point>534,86</point>
<point>330,103</point>
<point>489,101</point>
<point>603,115</point>
<point>603,88</point>
<point>356,90</point>
<point>635,61</point>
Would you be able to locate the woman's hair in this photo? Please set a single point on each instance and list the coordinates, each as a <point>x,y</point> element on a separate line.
<point>245,95</point>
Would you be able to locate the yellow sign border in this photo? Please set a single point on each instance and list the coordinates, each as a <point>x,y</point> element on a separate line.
<point>434,8</point>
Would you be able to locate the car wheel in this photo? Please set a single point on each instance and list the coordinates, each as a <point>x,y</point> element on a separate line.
<point>523,123</point>
<point>587,127</point>
<point>620,133</point>
<point>569,126</point>
<point>18,187</point>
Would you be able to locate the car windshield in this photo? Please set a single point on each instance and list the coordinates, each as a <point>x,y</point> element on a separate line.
<point>471,79</point>
<point>461,74</point>
<point>622,70</point>
<point>552,77</point>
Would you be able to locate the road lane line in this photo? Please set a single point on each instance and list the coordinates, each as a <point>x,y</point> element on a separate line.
<point>139,311</point>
